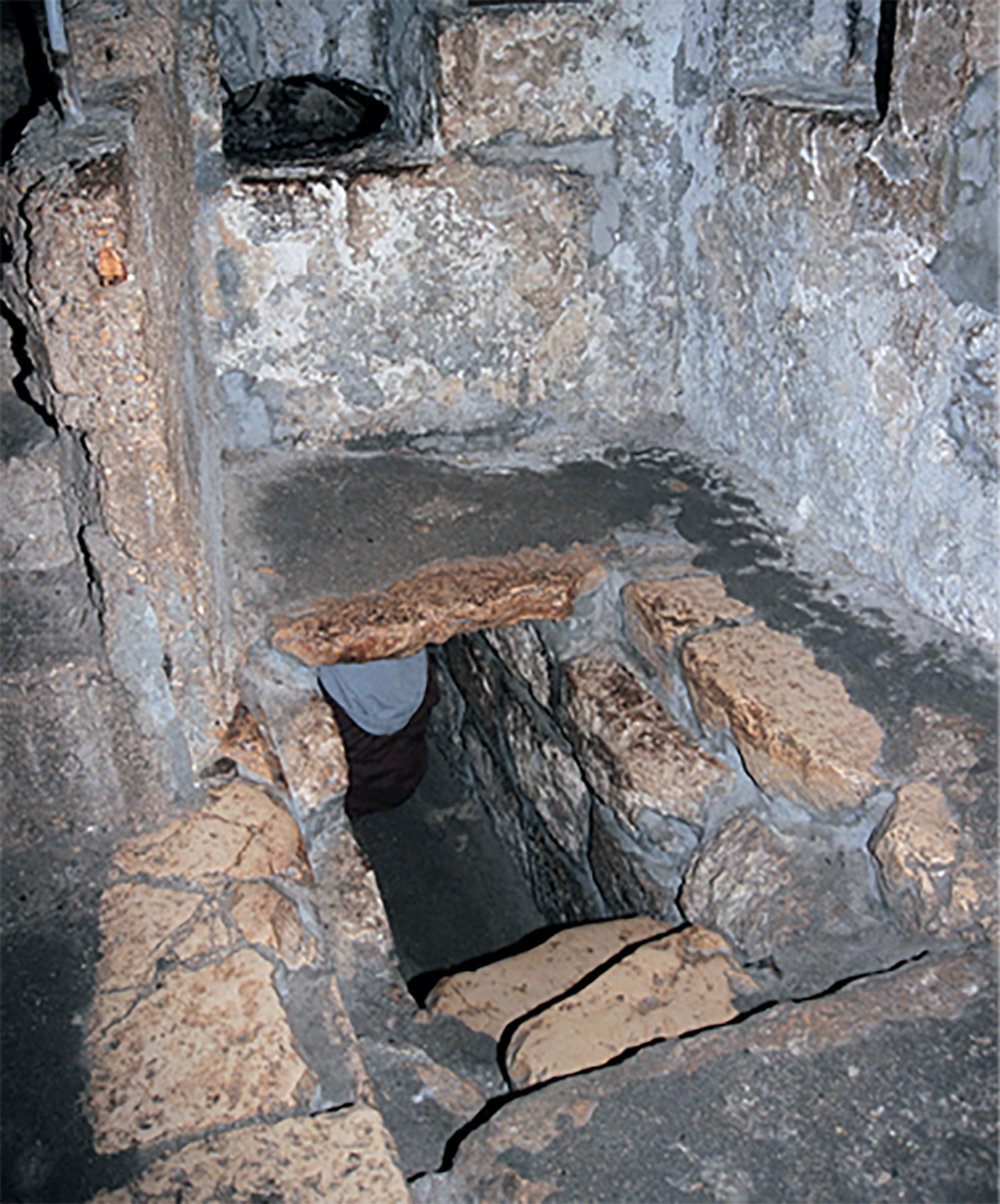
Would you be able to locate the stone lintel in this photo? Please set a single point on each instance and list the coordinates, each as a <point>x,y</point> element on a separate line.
<point>440,601</point>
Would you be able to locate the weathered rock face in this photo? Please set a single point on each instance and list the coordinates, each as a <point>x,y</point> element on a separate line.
<point>634,756</point>
<point>796,729</point>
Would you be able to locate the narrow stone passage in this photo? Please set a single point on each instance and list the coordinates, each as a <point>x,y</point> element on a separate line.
<point>450,889</point>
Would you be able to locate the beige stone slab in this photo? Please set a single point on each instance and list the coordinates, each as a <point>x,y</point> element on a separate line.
<point>632,752</point>
<point>242,833</point>
<point>797,730</point>
<point>205,1046</point>
<point>440,601</point>
<point>657,612</point>
<point>684,982</point>
<point>345,1156</point>
<point>489,998</point>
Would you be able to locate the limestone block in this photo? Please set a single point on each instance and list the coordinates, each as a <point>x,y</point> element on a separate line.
<point>925,865</point>
<point>689,980</point>
<point>522,650</point>
<point>347,1156</point>
<point>795,726</point>
<point>562,886</point>
<point>242,833</point>
<point>440,601</point>
<point>633,754</point>
<point>208,1046</point>
<point>520,73</point>
<point>547,775</point>
<point>488,999</point>
<point>658,612</point>
<point>743,885</point>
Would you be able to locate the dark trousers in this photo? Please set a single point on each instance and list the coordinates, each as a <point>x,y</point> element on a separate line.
<point>385,770</point>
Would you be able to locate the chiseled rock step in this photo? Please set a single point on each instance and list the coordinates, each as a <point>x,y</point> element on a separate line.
<point>490,998</point>
<point>345,1156</point>
<point>440,601</point>
<point>659,612</point>
<point>689,980</point>
<point>796,728</point>
<point>884,1087</point>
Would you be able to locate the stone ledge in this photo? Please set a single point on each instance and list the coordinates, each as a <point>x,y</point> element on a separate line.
<point>440,601</point>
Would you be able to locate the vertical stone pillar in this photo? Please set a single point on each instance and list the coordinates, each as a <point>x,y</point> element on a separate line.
<point>100,219</point>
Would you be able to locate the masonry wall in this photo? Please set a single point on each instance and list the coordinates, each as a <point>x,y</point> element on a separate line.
<point>641,209</point>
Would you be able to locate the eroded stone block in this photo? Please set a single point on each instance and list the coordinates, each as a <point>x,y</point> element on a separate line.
<point>520,73</point>
<point>267,919</point>
<point>246,744</point>
<point>440,601</point>
<point>742,884</point>
<point>796,728</point>
<point>926,865</point>
<point>633,754</point>
<point>344,1156</point>
<point>488,999</point>
<point>686,981</point>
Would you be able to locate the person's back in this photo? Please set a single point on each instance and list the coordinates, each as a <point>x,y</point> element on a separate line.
<point>382,709</point>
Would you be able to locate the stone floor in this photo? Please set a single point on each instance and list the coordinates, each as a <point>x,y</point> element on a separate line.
<point>198,1005</point>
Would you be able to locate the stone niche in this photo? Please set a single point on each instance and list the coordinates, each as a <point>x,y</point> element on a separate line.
<point>642,746</point>
<point>333,83</point>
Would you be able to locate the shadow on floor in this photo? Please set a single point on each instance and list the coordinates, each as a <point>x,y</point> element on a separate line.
<point>452,893</point>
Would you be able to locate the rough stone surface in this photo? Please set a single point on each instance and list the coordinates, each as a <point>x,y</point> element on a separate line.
<point>442,601</point>
<point>684,982</point>
<point>805,1101</point>
<point>345,1155</point>
<point>926,865</point>
<point>801,906</point>
<point>245,743</point>
<point>521,649</point>
<point>198,1018</point>
<point>637,875</point>
<point>489,999</point>
<point>658,612</point>
<point>547,775</point>
<point>635,757</point>
<point>798,732</point>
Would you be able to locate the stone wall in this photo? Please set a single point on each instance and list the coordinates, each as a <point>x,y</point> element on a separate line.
<point>644,210</point>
